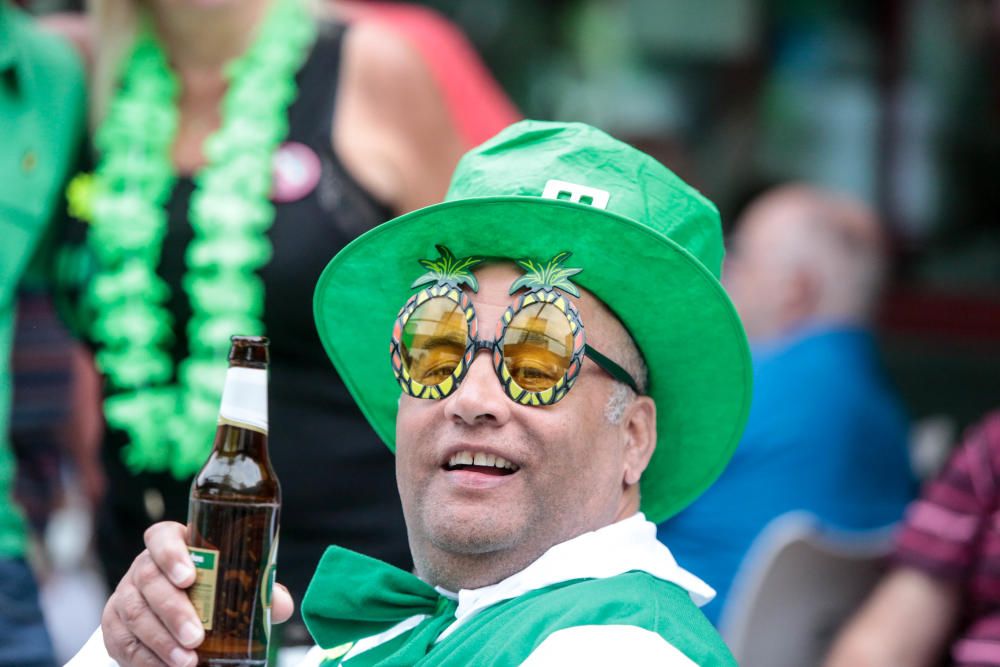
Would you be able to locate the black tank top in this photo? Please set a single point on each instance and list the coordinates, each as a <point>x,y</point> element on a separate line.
<point>337,477</point>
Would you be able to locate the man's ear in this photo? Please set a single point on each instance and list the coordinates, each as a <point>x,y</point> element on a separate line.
<point>803,294</point>
<point>639,426</point>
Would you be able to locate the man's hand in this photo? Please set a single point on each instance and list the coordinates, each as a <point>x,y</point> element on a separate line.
<point>149,620</point>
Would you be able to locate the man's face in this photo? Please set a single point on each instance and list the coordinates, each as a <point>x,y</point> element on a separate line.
<point>569,461</point>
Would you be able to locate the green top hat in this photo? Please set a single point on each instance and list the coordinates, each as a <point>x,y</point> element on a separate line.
<point>650,247</point>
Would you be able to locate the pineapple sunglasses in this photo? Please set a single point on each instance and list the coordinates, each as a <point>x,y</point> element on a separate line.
<point>538,348</point>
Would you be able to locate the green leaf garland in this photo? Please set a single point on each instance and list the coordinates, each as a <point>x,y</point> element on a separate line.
<point>169,413</point>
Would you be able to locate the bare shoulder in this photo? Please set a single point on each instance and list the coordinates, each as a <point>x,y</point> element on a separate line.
<point>391,74</point>
<point>392,119</point>
<point>381,52</point>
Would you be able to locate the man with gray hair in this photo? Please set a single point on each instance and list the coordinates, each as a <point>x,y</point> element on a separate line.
<point>825,434</point>
<point>562,264</point>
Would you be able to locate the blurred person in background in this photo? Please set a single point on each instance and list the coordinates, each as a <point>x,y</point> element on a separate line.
<point>41,122</point>
<point>942,597</point>
<point>40,367</point>
<point>825,435</point>
<point>239,144</point>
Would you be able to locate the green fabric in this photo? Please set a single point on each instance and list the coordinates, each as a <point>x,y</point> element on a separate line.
<point>354,597</point>
<point>41,113</point>
<point>654,256</point>
<point>7,53</point>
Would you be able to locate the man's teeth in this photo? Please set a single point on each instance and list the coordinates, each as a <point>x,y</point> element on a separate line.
<point>480,459</point>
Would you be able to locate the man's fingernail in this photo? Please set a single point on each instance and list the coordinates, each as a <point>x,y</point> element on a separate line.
<point>181,658</point>
<point>180,572</point>
<point>190,634</point>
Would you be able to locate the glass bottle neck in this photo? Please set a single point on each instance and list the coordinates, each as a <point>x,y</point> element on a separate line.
<point>237,440</point>
<point>244,399</point>
<point>243,413</point>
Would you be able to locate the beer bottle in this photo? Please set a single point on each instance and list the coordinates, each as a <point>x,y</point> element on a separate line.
<point>233,519</point>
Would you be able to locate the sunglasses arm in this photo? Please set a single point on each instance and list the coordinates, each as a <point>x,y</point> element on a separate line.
<point>610,367</point>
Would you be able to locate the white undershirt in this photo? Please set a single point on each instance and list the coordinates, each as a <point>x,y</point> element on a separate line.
<point>629,545</point>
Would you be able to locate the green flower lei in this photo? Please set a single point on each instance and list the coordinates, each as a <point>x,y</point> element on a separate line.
<point>170,414</point>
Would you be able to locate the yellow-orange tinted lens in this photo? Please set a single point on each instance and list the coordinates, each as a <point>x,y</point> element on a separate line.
<point>538,346</point>
<point>434,340</point>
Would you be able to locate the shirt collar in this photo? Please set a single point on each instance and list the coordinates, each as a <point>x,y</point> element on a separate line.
<point>629,545</point>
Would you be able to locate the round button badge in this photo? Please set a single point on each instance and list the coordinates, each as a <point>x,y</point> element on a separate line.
<point>296,172</point>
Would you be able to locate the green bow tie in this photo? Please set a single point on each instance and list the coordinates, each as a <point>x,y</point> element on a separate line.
<point>352,596</point>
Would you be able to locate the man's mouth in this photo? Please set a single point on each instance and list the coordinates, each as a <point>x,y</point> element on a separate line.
<point>487,464</point>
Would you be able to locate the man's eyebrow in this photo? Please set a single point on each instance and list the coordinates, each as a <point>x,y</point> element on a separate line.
<point>443,341</point>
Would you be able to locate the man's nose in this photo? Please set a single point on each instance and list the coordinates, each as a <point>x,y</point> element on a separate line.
<point>479,398</point>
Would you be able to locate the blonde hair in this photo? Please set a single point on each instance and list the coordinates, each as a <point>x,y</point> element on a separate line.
<point>114,24</point>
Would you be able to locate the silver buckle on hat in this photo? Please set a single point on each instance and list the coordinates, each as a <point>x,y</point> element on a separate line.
<point>578,194</point>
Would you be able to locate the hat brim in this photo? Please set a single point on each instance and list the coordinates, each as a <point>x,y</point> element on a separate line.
<point>674,308</point>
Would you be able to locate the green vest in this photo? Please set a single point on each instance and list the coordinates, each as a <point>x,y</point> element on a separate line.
<point>506,633</point>
<point>365,613</point>
<point>41,123</point>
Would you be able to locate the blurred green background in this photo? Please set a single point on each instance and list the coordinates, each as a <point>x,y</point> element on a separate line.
<point>895,101</point>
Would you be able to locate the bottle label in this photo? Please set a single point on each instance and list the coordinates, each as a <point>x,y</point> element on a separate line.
<point>244,398</point>
<point>202,592</point>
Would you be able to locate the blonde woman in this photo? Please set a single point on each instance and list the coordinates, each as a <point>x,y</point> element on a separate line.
<point>238,145</point>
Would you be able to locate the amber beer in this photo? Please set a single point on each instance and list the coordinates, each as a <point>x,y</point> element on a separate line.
<point>233,519</point>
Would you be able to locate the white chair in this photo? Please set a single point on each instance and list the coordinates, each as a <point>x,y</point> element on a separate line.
<point>796,587</point>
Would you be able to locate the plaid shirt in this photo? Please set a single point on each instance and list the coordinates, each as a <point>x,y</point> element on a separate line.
<point>953,532</point>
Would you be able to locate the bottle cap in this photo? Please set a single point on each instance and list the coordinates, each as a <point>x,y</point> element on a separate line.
<point>249,351</point>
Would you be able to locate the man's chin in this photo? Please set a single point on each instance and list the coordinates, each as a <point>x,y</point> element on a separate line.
<point>473,533</point>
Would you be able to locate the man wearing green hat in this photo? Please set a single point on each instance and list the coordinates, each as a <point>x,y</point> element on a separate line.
<point>613,390</point>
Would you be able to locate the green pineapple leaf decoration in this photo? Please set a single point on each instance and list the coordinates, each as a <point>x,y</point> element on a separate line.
<point>547,276</point>
<point>449,270</point>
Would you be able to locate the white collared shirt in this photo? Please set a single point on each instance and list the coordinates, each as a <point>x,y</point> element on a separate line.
<point>629,545</point>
